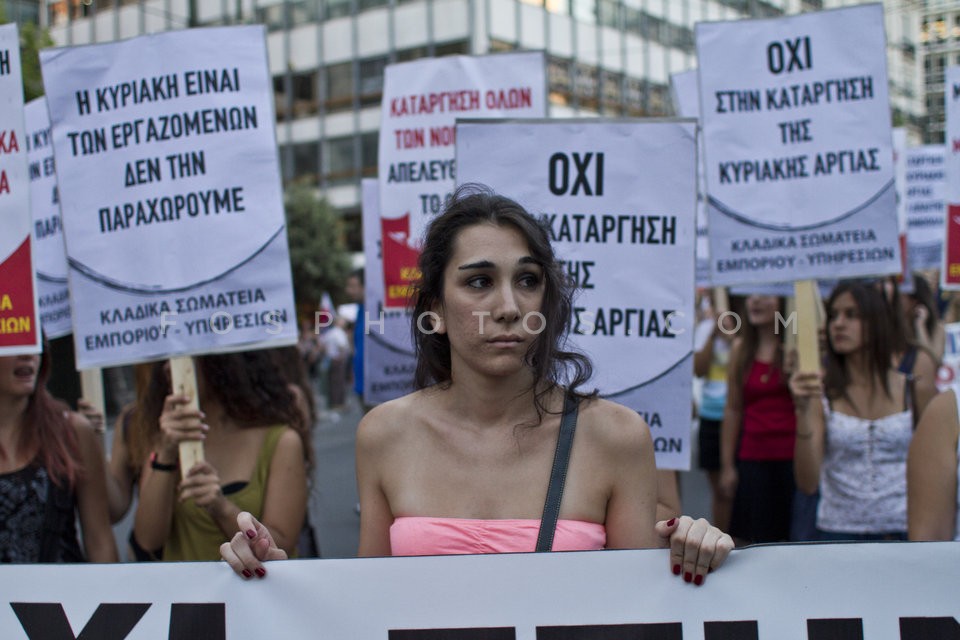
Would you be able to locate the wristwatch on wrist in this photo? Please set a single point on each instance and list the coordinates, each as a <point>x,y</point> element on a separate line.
<point>160,466</point>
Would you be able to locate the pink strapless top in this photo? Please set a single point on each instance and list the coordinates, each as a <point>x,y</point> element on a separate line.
<point>424,536</point>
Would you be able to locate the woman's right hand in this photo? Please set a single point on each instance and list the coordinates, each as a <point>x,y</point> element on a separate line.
<point>179,423</point>
<point>729,479</point>
<point>250,547</point>
<point>806,386</point>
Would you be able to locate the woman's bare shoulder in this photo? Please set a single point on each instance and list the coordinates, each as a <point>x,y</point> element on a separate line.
<point>391,420</point>
<point>613,427</point>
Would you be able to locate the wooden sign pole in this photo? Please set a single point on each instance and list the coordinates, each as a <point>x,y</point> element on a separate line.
<point>184,379</point>
<point>91,389</point>
<point>808,340</point>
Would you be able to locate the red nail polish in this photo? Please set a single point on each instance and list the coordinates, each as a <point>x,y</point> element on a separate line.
<point>671,522</point>
<point>676,569</point>
<point>260,572</point>
<point>251,534</point>
<point>687,577</point>
<point>698,580</point>
<point>247,574</point>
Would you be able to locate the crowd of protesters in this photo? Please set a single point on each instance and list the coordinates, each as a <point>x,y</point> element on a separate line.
<point>863,449</point>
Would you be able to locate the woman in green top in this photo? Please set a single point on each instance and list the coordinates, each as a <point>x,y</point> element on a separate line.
<point>257,453</point>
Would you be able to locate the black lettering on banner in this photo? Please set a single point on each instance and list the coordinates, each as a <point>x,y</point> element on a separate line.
<point>205,620</point>
<point>479,633</point>
<point>790,55</point>
<point>835,629</point>
<point>115,621</point>
<point>48,621</point>
<point>926,628</point>
<point>559,174</point>
<point>731,630</point>
<point>654,631</point>
<point>4,62</point>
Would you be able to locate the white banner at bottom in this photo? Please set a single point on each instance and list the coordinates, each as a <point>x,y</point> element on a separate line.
<point>878,591</point>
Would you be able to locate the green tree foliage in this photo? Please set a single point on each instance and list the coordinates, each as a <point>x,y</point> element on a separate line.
<point>32,39</point>
<point>318,256</point>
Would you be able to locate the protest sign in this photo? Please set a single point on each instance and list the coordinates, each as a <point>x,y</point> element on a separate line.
<point>421,101</point>
<point>948,375</point>
<point>880,591</point>
<point>170,195</point>
<point>619,198</point>
<point>797,142</point>
<point>900,181</point>
<point>19,312</point>
<point>50,253</point>
<point>388,358</point>
<point>924,204</point>
<point>950,273</point>
<point>686,97</point>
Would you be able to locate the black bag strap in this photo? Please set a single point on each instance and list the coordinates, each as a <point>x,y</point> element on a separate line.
<point>558,474</point>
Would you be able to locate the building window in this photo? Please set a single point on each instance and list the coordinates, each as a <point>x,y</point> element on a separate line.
<point>306,162</point>
<point>371,4</point>
<point>338,159</point>
<point>608,13</point>
<point>369,150</point>
<point>305,101</point>
<point>455,48</point>
<point>371,80</point>
<point>559,80</point>
<point>339,86</point>
<point>337,8</point>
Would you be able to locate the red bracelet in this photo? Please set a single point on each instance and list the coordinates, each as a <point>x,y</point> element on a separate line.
<point>159,466</point>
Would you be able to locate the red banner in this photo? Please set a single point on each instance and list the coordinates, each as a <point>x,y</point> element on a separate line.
<point>17,299</point>
<point>400,258</point>
<point>951,275</point>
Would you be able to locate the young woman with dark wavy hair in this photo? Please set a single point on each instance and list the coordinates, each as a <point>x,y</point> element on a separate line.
<point>257,453</point>
<point>462,465</point>
<point>855,422</point>
<point>52,471</point>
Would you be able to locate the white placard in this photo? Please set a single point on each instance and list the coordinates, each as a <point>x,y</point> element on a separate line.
<point>686,97</point>
<point>389,361</point>
<point>51,257</point>
<point>798,147</point>
<point>924,194</point>
<point>948,375</point>
<point>19,314</point>
<point>421,102</point>
<point>620,198</point>
<point>170,195</point>
<point>880,591</point>
<point>950,273</point>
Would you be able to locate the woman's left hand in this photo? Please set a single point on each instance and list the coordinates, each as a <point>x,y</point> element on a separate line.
<point>202,484</point>
<point>696,547</point>
<point>92,414</point>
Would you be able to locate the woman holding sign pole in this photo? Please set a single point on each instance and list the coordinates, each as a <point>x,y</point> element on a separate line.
<point>51,471</point>
<point>257,451</point>
<point>475,460</point>
<point>855,422</point>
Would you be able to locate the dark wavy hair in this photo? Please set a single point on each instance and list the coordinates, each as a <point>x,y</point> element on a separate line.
<point>548,358</point>
<point>877,336</point>
<point>924,295</point>
<point>47,431</point>
<point>249,385</point>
